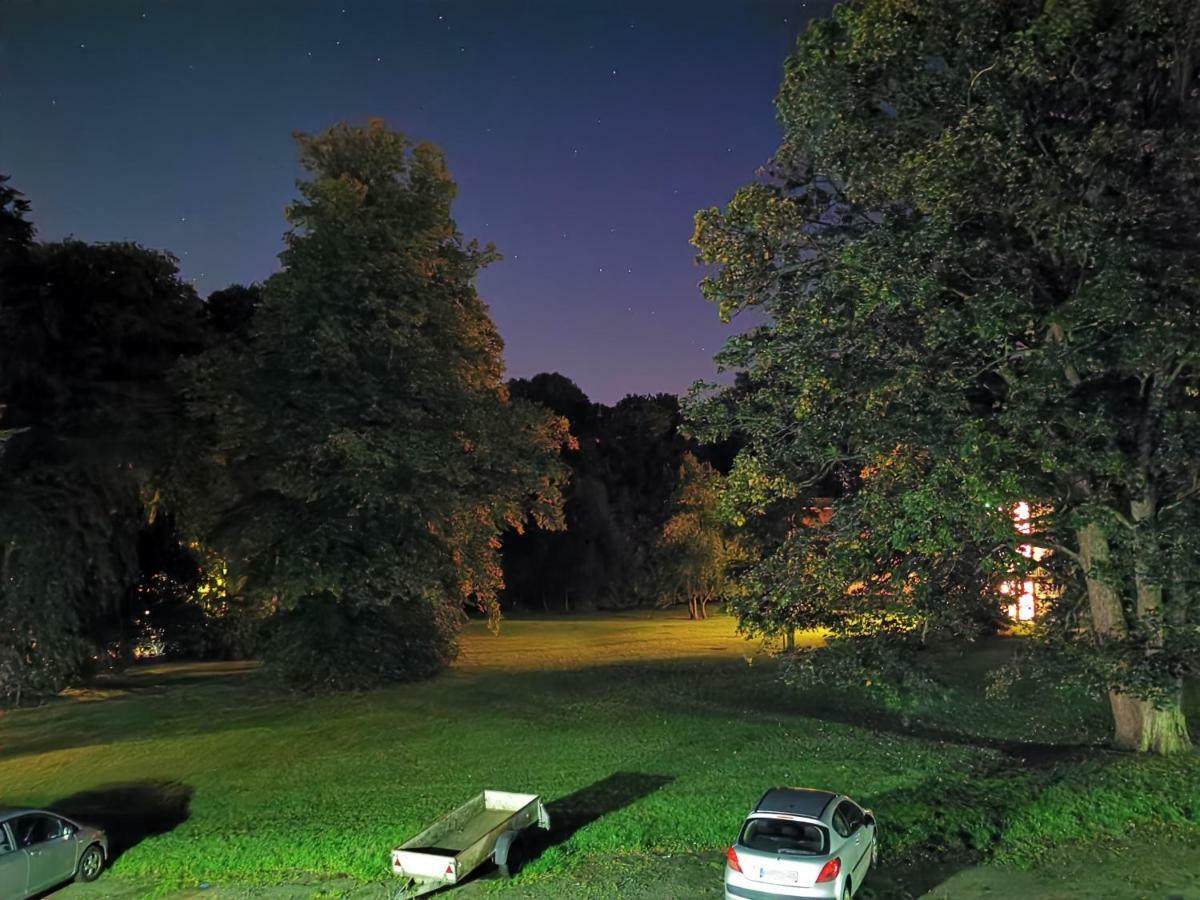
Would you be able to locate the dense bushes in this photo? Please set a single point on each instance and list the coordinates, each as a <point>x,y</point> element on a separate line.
<point>324,645</point>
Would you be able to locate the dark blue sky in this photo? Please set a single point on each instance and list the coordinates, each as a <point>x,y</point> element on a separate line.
<point>583,136</point>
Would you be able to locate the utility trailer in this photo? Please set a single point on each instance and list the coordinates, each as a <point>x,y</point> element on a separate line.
<point>491,825</point>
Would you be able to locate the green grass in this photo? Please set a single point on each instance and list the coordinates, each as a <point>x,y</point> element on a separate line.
<point>647,734</point>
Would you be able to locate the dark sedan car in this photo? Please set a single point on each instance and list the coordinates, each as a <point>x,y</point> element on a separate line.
<point>40,849</point>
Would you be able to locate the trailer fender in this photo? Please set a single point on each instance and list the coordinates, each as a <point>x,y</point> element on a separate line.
<point>509,853</point>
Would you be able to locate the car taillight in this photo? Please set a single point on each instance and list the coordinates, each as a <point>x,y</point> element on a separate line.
<point>830,870</point>
<point>731,858</point>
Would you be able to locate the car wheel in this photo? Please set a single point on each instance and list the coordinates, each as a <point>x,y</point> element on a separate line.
<point>91,864</point>
<point>846,895</point>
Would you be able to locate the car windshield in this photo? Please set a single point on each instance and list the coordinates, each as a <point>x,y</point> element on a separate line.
<point>784,836</point>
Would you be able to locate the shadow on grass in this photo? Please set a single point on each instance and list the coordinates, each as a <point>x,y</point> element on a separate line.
<point>932,831</point>
<point>129,813</point>
<point>1031,752</point>
<point>570,813</point>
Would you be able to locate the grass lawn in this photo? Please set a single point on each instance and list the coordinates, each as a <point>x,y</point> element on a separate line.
<point>648,735</point>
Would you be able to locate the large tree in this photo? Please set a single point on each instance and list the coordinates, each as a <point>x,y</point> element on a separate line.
<point>976,250</point>
<point>87,336</point>
<point>367,453</point>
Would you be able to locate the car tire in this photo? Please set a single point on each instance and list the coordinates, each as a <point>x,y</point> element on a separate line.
<point>514,860</point>
<point>91,864</point>
<point>846,892</point>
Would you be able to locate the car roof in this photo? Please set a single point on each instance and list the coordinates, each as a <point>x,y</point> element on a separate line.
<point>807,802</point>
<point>7,812</point>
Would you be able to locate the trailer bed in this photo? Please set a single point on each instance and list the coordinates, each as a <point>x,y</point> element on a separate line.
<point>462,840</point>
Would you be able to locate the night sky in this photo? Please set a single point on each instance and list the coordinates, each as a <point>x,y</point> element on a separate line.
<point>583,138</point>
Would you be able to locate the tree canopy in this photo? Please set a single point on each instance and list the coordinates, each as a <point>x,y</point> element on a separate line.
<point>976,253</point>
<point>88,334</point>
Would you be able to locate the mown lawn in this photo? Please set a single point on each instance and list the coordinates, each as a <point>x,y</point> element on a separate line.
<point>649,736</point>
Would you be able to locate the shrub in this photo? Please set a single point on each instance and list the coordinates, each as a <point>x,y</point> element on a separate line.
<point>325,645</point>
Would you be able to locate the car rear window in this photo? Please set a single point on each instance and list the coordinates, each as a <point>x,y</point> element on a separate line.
<point>784,836</point>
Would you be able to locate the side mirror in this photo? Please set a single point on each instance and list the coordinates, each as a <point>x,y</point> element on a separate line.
<point>868,819</point>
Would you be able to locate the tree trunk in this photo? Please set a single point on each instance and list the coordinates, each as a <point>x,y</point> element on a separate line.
<point>1108,617</point>
<point>691,607</point>
<point>1143,728</point>
<point>703,608</point>
<point>1139,726</point>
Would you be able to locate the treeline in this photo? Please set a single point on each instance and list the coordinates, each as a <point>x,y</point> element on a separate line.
<point>317,470</point>
<point>633,471</point>
<point>326,470</point>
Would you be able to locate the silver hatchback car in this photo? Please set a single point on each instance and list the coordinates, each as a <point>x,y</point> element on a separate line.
<point>799,842</point>
<point>40,849</point>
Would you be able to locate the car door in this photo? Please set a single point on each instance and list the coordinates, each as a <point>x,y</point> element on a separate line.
<point>50,844</point>
<point>14,866</point>
<point>858,838</point>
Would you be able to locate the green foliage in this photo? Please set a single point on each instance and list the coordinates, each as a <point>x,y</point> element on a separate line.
<point>975,252</point>
<point>698,550</point>
<point>364,452</point>
<point>230,311</point>
<point>326,645</point>
<point>87,334</point>
<point>625,461</point>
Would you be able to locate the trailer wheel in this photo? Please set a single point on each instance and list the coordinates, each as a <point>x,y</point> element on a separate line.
<point>513,859</point>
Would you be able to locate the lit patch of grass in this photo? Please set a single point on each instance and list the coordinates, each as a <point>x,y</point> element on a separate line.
<point>647,734</point>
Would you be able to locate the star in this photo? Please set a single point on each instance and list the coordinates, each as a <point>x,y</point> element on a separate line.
<point>614,71</point>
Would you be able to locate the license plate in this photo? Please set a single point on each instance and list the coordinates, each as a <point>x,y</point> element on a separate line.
<point>779,876</point>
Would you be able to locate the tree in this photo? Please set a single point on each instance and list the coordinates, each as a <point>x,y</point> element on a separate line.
<point>230,311</point>
<point>697,552</point>
<point>977,253</point>
<point>624,462</point>
<point>87,335</point>
<point>367,455</point>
